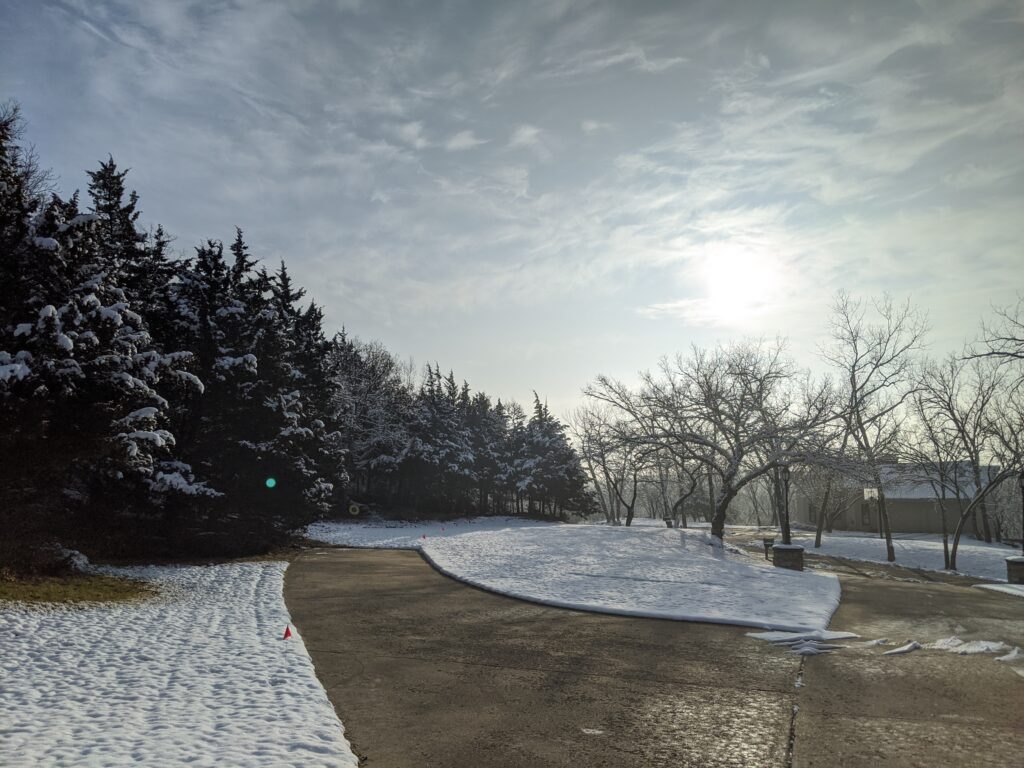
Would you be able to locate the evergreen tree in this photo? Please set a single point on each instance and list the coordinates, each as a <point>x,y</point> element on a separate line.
<point>196,403</point>
<point>81,382</point>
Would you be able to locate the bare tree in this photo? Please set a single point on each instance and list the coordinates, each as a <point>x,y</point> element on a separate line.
<point>613,458</point>
<point>1003,339</point>
<point>827,489</point>
<point>738,411</point>
<point>875,364</point>
<point>958,396</point>
<point>588,427</point>
<point>760,498</point>
<point>933,450</point>
<point>668,485</point>
<point>1006,451</point>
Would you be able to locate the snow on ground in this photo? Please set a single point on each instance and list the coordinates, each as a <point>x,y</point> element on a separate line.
<point>1009,589</point>
<point>644,571</point>
<point>199,675</point>
<point>400,534</point>
<point>913,645</point>
<point>805,643</point>
<point>967,647</point>
<point>915,550</point>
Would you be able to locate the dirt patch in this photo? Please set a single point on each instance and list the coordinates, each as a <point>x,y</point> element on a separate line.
<point>78,588</point>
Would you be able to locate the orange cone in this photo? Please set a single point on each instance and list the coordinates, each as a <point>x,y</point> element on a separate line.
<point>287,632</point>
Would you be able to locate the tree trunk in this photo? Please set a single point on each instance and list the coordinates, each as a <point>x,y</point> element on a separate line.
<point>945,532</point>
<point>822,514</point>
<point>679,512</point>
<point>883,517</point>
<point>983,507</point>
<point>969,512</point>
<point>718,519</point>
<point>711,498</point>
<point>974,524</point>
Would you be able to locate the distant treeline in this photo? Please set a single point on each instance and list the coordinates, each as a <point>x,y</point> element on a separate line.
<point>156,403</point>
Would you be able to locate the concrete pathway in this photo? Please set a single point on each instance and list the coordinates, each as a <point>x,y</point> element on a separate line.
<point>926,708</point>
<point>426,671</point>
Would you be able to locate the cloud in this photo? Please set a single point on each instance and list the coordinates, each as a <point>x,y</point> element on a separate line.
<point>524,136</point>
<point>463,140</point>
<point>867,150</point>
<point>591,62</point>
<point>412,134</point>
<point>973,176</point>
<point>591,127</point>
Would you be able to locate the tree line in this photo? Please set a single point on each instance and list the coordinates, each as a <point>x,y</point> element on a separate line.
<point>153,402</point>
<point>728,431</point>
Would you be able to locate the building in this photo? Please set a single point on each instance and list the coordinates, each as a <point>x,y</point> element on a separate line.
<point>910,499</point>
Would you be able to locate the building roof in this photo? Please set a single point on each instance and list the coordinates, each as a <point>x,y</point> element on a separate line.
<point>904,480</point>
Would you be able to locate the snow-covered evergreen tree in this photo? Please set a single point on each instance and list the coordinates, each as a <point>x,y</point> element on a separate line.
<point>196,403</point>
<point>81,382</point>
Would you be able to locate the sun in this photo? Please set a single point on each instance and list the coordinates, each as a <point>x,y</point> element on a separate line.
<point>739,283</point>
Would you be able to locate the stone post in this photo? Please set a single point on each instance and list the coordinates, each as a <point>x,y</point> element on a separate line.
<point>1015,570</point>
<point>789,556</point>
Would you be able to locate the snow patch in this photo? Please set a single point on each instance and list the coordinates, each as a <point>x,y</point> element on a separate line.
<point>805,643</point>
<point>45,243</point>
<point>921,551</point>
<point>198,675</point>
<point>1015,655</point>
<point>913,645</point>
<point>1008,589</point>
<point>788,638</point>
<point>967,648</point>
<point>653,572</point>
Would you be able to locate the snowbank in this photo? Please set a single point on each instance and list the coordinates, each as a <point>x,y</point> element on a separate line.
<point>923,551</point>
<point>646,571</point>
<point>1009,589</point>
<point>398,534</point>
<point>198,675</point>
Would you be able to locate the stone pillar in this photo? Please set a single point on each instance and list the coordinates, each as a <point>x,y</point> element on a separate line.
<point>789,556</point>
<point>1015,570</point>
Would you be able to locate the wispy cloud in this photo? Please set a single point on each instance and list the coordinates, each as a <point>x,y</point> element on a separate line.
<point>412,134</point>
<point>463,140</point>
<point>524,136</point>
<point>623,163</point>
<point>594,61</point>
<point>592,127</point>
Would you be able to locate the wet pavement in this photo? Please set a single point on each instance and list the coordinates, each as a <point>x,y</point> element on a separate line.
<point>425,671</point>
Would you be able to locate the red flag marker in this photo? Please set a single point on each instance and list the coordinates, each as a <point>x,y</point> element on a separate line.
<point>287,632</point>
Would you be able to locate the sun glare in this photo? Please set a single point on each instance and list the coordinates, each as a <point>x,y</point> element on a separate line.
<point>739,283</point>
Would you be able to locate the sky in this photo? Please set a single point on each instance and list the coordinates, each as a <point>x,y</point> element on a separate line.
<point>533,193</point>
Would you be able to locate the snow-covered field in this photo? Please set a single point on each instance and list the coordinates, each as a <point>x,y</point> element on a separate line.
<point>924,551</point>
<point>199,676</point>
<point>643,571</point>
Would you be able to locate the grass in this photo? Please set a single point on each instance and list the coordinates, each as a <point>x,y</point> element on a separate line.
<point>80,588</point>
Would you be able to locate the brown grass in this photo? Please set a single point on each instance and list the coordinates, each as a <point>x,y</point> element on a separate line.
<point>80,588</point>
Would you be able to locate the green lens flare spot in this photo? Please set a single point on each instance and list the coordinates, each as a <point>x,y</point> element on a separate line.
<point>271,482</point>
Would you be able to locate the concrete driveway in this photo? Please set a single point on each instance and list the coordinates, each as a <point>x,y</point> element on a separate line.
<point>425,671</point>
